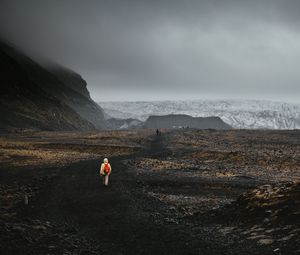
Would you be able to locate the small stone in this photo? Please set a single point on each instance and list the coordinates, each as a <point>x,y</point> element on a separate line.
<point>255,236</point>
<point>259,229</point>
<point>286,238</point>
<point>19,228</point>
<point>265,241</point>
<point>40,227</point>
<point>26,200</point>
<point>270,230</point>
<point>295,230</point>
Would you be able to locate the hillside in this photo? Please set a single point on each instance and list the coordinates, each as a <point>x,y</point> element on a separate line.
<point>181,121</point>
<point>76,95</point>
<point>25,105</point>
<point>69,78</point>
<point>32,97</point>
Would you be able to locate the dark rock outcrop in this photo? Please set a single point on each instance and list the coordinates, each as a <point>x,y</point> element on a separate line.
<point>69,78</point>
<point>33,97</point>
<point>184,121</point>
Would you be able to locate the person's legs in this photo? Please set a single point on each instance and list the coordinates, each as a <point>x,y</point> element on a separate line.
<point>106,180</point>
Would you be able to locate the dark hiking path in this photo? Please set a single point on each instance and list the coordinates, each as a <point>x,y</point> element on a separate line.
<point>122,219</point>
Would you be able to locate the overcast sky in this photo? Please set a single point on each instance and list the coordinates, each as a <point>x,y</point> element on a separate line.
<point>156,50</point>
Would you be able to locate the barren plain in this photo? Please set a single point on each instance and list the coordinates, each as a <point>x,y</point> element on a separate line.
<point>184,192</point>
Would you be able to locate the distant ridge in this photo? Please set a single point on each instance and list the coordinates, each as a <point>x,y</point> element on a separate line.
<point>185,121</point>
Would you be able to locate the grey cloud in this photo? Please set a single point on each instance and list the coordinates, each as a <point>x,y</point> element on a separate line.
<point>184,49</point>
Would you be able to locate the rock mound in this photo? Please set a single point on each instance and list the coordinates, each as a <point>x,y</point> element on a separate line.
<point>185,121</point>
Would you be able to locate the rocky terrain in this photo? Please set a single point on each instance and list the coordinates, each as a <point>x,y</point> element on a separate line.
<point>184,192</point>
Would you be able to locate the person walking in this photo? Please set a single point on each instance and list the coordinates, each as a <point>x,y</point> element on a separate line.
<point>105,171</point>
<point>157,132</point>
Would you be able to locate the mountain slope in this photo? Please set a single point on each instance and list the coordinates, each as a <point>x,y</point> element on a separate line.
<point>77,96</point>
<point>61,88</point>
<point>26,105</point>
<point>69,78</point>
<point>32,97</point>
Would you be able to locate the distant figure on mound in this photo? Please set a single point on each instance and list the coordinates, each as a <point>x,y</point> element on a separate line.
<point>105,171</point>
<point>158,132</point>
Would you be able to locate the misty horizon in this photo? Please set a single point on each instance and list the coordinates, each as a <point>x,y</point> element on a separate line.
<point>197,99</point>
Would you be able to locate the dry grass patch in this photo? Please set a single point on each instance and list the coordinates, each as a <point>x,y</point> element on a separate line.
<point>150,164</point>
<point>50,149</point>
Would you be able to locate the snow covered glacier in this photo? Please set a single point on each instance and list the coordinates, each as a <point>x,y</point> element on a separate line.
<point>241,114</point>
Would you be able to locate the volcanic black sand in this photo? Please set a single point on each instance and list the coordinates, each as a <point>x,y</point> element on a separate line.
<point>141,212</point>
